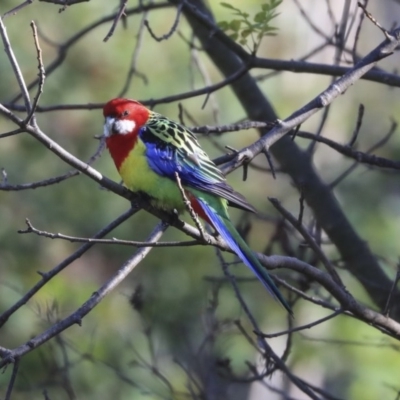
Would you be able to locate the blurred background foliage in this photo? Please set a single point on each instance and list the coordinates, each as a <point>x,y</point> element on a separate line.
<point>118,350</point>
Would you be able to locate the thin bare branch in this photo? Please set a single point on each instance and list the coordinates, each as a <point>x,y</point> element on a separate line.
<point>135,57</point>
<point>309,239</point>
<point>360,116</point>
<point>15,66</point>
<point>393,288</point>
<point>189,208</point>
<point>119,15</point>
<point>113,241</point>
<point>13,377</point>
<point>167,35</point>
<point>31,114</point>
<point>77,316</point>
<point>46,276</point>
<point>302,327</point>
<point>374,21</point>
<point>268,352</point>
<point>17,8</point>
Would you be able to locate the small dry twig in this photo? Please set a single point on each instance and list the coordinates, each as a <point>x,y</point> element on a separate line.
<point>119,15</point>
<point>189,208</point>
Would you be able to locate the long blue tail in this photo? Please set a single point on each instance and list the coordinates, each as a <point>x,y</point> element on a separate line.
<point>227,230</point>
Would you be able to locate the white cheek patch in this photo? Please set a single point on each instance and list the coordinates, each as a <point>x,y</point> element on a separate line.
<point>119,126</point>
<point>124,126</point>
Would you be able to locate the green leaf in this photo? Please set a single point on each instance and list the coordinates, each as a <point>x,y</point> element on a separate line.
<point>268,30</point>
<point>272,4</point>
<point>268,7</point>
<point>260,17</point>
<point>227,5</point>
<point>235,25</point>
<point>224,25</point>
<point>234,36</point>
<point>243,26</point>
<point>245,33</point>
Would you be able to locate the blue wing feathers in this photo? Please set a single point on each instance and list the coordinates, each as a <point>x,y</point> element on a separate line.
<point>166,161</point>
<point>226,235</point>
<point>243,252</point>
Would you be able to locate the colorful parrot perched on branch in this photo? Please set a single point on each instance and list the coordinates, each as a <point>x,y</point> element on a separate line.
<point>151,152</point>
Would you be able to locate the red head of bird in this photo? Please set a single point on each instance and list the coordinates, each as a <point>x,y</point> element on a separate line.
<point>123,120</point>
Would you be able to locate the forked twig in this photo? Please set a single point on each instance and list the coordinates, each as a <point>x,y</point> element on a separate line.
<point>310,240</point>
<point>74,239</point>
<point>374,21</point>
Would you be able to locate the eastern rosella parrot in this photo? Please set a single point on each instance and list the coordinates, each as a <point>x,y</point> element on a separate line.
<point>148,150</point>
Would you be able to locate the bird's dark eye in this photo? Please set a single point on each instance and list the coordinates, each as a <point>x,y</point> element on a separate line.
<point>125,113</point>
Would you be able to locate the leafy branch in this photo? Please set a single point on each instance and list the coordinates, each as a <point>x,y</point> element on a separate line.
<point>242,29</point>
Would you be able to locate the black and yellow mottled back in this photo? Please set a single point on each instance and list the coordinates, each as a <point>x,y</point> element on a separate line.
<point>173,148</point>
